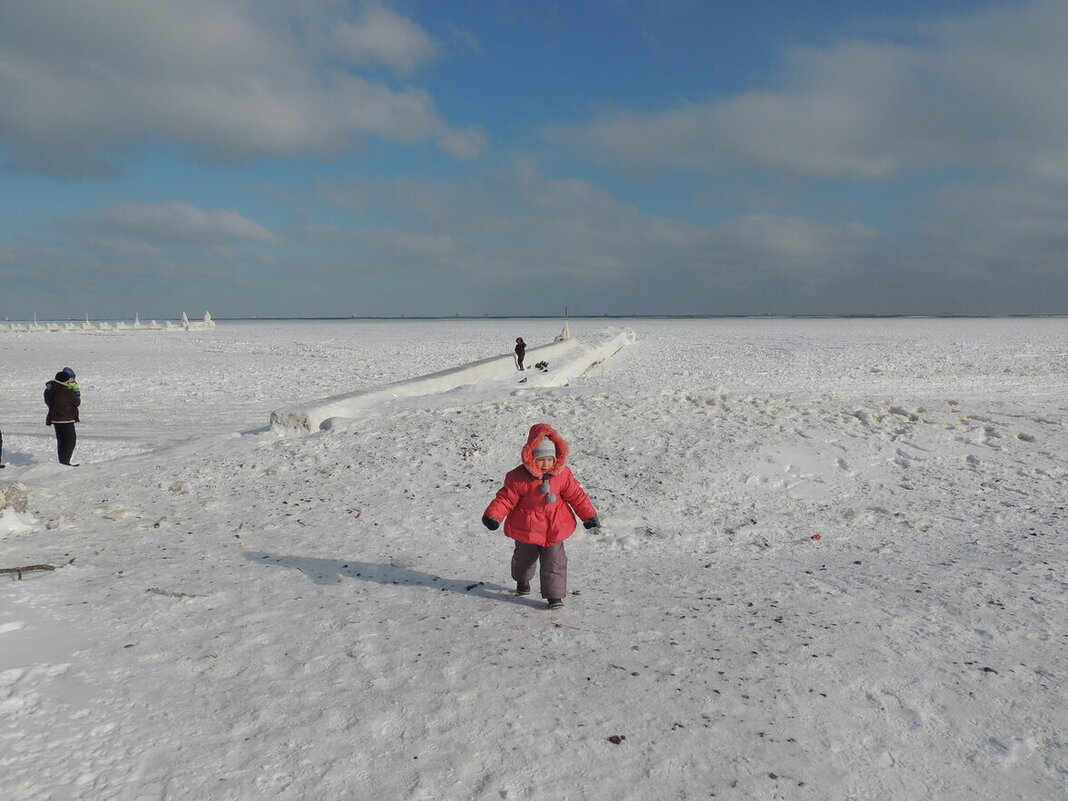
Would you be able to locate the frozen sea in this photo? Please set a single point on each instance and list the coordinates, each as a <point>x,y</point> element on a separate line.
<point>831,566</point>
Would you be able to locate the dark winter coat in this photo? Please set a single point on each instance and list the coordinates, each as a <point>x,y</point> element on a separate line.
<point>528,514</point>
<point>63,403</point>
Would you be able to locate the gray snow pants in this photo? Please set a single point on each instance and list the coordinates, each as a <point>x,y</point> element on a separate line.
<point>553,567</point>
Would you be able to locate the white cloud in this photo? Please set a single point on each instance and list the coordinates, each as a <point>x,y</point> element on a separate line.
<point>520,241</point>
<point>557,235</point>
<point>170,223</point>
<point>380,35</point>
<point>121,248</point>
<point>984,88</point>
<point>792,242</point>
<point>432,247</point>
<point>995,229</point>
<point>83,84</point>
<point>464,145</point>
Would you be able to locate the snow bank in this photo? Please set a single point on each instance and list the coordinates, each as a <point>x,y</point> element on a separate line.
<point>14,515</point>
<point>207,324</point>
<point>11,521</point>
<point>578,362</point>
<point>577,358</point>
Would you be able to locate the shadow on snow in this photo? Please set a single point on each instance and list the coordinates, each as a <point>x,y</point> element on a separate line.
<point>334,571</point>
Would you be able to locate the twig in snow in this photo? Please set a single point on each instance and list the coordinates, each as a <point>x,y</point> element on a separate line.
<point>558,625</point>
<point>28,568</point>
<point>171,594</point>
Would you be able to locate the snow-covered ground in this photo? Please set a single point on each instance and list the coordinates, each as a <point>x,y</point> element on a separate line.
<point>831,567</point>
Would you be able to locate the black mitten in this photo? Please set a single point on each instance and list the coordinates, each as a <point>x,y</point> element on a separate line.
<point>593,522</point>
<point>490,523</point>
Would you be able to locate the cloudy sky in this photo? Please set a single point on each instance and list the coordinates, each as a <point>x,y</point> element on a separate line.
<point>512,157</point>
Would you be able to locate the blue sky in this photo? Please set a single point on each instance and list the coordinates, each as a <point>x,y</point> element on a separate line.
<point>507,157</point>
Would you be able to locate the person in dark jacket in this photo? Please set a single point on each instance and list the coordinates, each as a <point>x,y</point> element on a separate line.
<point>2,465</point>
<point>63,403</point>
<point>520,351</point>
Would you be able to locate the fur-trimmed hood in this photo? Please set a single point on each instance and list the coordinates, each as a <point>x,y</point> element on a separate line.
<point>539,431</point>
<point>539,510</point>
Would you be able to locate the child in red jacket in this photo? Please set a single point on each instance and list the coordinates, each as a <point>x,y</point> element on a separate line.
<point>538,504</point>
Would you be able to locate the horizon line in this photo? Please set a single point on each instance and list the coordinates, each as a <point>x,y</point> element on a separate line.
<point>887,316</point>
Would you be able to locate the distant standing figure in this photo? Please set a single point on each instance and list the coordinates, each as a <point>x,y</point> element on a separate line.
<point>520,351</point>
<point>2,465</point>
<point>63,403</point>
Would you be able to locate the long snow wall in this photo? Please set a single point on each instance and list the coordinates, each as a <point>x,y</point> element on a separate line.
<point>313,416</point>
<point>578,361</point>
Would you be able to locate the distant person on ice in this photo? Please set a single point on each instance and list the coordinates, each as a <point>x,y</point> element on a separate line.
<point>63,402</point>
<point>538,504</point>
<point>520,351</point>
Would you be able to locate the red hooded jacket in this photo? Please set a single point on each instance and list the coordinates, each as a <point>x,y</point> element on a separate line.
<point>527,512</point>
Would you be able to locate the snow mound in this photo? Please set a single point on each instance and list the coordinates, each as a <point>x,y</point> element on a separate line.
<point>12,522</point>
<point>569,357</point>
<point>14,495</point>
